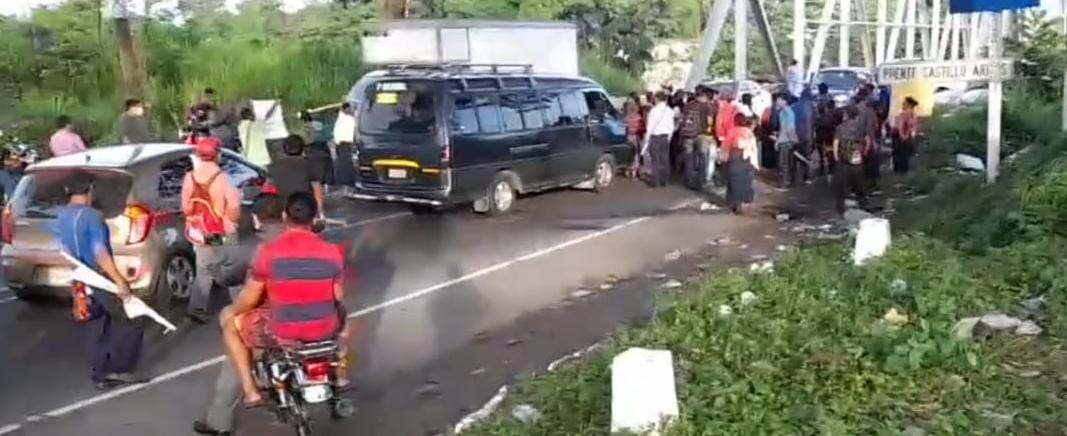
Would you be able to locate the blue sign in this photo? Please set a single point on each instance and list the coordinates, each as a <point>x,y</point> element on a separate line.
<point>967,6</point>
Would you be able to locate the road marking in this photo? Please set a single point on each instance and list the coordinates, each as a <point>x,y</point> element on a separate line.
<point>367,221</point>
<point>4,300</point>
<point>395,301</point>
<point>400,300</point>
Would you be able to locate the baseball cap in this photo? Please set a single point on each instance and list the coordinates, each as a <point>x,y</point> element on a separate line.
<point>207,148</point>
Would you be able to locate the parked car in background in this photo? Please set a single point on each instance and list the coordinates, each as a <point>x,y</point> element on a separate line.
<point>842,81</point>
<point>138,189</point>
<point>761,96</point>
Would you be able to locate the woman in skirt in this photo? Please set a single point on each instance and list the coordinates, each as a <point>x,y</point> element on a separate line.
<point>741,157</point>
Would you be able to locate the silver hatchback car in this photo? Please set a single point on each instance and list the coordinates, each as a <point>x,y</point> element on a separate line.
<point>138,188</point>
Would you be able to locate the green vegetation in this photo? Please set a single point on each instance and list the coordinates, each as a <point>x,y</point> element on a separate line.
<point>813,355</point>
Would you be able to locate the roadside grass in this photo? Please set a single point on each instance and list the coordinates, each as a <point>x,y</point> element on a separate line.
<point>813,354</point>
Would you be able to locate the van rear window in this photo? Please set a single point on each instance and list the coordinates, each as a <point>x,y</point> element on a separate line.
<point>40,193</point>
<point>399,107</point>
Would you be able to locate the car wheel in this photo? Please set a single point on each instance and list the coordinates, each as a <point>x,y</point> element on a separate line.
<point>176,279</point>
<point>502,194</point>
<point>604,173</point>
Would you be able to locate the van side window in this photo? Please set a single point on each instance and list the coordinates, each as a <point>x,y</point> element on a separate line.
<point>574,107</point>
<point>599,106</point>
<point>531,111</point>
<point>550,104</point>
<point>464,117</point>
<point>510,105</point>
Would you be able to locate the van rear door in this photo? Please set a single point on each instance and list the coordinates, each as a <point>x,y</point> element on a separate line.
<point>401,143</point>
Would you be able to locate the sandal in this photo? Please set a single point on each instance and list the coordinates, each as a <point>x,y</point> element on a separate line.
<point>254,404</point>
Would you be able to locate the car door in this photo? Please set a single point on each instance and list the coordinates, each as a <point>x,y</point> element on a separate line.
<point>606,129</point>
<point>528,148</point>
<point>243,176</point>
<point>570,143</point>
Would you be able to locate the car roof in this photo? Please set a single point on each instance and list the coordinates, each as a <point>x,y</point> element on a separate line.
<point>112,157</point>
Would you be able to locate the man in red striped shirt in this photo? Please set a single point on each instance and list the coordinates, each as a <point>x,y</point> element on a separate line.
<point>298,277</point>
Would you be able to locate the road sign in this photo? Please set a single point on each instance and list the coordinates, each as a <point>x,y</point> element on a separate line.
<point>979,70</point>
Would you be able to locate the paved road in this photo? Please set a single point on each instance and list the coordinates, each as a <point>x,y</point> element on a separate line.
<point>426,286</point>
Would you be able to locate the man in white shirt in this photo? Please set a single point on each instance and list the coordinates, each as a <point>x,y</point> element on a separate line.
<point>795,79</point>
<point>658,139</point>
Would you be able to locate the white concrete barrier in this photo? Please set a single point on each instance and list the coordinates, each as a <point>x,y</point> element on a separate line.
<point>643,398</point>
<point>872,240</point>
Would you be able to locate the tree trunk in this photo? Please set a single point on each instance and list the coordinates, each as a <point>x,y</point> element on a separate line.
<point>396,9</point>
<point>130,62</point>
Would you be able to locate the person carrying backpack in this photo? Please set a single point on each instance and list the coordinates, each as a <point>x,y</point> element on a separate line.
<point>696,116</point>
<point>212,208</point>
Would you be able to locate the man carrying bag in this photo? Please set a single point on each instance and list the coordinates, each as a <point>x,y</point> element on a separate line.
<point>114,340</point>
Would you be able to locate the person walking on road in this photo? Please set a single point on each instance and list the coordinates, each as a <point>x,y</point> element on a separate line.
<point>827,117</point>
<point>635,130</point>
<point>696,117</point>
<point>344,138</point>
<point>658,140</point>
<point>849,149</point>
<point>212,208</point>
<point>804,117</point>
<point>133,125</point>
<point>742,163</point>
<point>785,141</point>
<point>905,135</point>
<point>66,139</point>
<point>293,173</point>
<point>114,339</point>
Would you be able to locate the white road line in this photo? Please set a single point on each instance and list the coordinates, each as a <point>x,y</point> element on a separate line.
<point>395,301</point>
<point>367,221</point>
<point>4,300</point>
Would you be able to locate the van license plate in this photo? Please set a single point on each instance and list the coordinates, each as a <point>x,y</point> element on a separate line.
<point>397,173</point>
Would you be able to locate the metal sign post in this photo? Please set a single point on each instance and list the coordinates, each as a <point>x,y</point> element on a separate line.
<point>995,102</point>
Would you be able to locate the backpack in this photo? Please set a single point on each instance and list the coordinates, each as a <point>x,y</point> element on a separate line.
<point>203,224</point>
<point>692,125</point>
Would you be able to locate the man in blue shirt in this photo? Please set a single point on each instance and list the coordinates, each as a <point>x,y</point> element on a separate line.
<point>114,340</point>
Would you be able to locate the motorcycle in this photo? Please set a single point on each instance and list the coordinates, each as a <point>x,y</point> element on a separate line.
<point>300,377</point>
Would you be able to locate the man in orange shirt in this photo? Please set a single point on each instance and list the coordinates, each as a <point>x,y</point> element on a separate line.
<point>208,180</point>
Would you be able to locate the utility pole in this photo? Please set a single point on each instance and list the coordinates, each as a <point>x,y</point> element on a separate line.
<point>740,40</point>
<point>996,97</point>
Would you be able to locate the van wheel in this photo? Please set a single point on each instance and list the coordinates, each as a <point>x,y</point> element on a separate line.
<point>502,194</point>
<point>604,173</point>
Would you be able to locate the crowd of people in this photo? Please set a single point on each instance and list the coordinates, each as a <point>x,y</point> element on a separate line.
<point>709,138</point>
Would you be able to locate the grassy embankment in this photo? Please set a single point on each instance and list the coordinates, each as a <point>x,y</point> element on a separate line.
<point>812,355</point>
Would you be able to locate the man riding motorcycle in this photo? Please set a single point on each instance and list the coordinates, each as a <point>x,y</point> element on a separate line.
<point>294,294</point>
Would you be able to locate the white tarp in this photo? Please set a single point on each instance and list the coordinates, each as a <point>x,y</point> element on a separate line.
<point>270,112</point>
<point>643,397</point>
<point>135,307</point>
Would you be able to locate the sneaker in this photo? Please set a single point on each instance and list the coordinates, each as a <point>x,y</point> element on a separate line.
<point>202,428</point>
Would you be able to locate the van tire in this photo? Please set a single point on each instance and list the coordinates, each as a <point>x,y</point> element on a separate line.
<point>162,296</point>
<point>502,193</point>
<point>604,173</point>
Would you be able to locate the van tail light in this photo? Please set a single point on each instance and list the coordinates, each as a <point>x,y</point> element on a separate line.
<point>317,371</point>
<point>446,154</point>
<point>140,223</point>
<point>7,228</point>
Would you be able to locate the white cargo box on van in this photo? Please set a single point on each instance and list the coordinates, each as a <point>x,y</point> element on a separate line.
<point>549,47</point>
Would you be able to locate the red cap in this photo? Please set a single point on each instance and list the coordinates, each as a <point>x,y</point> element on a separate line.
<point>269,188</point>
<point>207,148</point>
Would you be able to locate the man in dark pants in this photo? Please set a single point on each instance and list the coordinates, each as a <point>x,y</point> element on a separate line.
<point>658,139</point>
<point>849,150</point>
<point>696,116</point>
<point>114,340</point>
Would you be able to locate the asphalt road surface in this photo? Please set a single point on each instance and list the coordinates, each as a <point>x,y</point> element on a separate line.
<point>426,285</point>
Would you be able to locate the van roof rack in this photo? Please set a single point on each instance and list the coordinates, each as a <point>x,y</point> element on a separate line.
<point>455,68</point>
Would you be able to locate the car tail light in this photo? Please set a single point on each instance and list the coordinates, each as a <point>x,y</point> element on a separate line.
<point>317,371</point>
<point>446,154</point>
<point>7,228</point>
<point>140,223</point>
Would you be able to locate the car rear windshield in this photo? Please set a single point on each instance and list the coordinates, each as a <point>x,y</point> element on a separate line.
<point>399,107</point>
<point>839,79</point>
<point>40,193</point>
